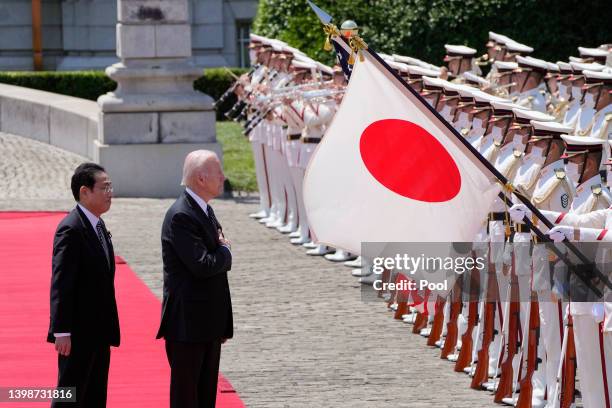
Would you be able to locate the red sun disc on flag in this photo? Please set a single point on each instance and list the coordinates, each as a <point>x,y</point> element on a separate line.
<point>408,160</point>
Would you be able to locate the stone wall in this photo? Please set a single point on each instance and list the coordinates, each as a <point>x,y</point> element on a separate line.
<point>63,121</point>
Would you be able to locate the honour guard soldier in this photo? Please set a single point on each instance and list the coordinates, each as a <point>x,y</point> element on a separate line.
<point>597,55</point>
<point>501,80</point>
<point>598,92</point>
<point>584,155</point>
<point>529,77</point>
<point>460,59</point>
<point>416,74</point>
<point>516,49</point>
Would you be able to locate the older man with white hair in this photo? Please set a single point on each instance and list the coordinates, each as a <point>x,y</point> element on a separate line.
<point>197,308</point>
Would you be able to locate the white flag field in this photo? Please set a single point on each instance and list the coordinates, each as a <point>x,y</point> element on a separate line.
<point>389,170</point>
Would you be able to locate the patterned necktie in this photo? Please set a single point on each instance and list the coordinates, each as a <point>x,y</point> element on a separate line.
<point>101,236</point>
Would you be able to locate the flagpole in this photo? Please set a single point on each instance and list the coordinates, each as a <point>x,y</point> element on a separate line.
<point>505,183</point>
<point>359,46</point>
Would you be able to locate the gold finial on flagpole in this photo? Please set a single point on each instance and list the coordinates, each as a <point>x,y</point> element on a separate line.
<point>330,32</point>
<point>357,44</point>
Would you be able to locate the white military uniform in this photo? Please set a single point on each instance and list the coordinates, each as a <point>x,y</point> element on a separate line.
<point>257,138</point>
<point>534,99</point>
<point>315,121</point>
<point>554,192</point>
<point>592,198</point>
<point>293,114</point>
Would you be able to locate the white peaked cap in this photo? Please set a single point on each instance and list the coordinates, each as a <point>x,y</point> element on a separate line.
<point>592,52</point>
<point>532,115</point>
<point>416,70</point>
<point>514,46</point>
<point>498,38</point>
<point>459,49</point>
<point>532,62</point>
<point>506,65</point>
<point>480,96</point>
<point>581,66</point>
<point>470,76</point>
<point>551,126</point>
<point>432,81</point>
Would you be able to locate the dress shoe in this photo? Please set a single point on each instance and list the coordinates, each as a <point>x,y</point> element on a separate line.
<point>258,215</point>
<point>453,357</point>
<point>359,272</point>
<point>299,240</point>
<point>368,280</point>
<point>426,332</point>
<point>355,263</point>
<point>339,256</point>
<point>320,250</point>
<point>286,229</point>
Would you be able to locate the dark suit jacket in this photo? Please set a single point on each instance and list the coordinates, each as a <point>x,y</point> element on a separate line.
<point>197,306</point>
<point>82,284</point>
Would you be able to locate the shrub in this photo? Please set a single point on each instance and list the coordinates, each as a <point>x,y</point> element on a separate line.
<point>91,84</point>
<point>420,28</point>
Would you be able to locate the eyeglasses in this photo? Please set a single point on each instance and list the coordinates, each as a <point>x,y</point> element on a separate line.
<point>107,188</point>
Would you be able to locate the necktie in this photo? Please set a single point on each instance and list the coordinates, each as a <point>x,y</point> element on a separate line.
<point>211,215</point>
<point>101,230</point>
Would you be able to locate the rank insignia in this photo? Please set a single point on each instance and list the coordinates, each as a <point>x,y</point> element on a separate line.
<point>564,200</point>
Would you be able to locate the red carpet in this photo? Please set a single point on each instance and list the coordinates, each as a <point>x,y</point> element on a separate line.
<point>139,373</point>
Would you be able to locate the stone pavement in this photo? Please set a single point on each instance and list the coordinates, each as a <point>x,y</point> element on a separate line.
<point>303,337</point>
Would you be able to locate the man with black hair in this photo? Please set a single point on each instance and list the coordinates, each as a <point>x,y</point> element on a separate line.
<point>84,322</point>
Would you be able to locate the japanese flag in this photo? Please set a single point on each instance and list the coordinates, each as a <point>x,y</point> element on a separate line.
<point>389,168</point>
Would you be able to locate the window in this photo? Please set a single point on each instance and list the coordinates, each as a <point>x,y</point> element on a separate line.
<point>243,30</point>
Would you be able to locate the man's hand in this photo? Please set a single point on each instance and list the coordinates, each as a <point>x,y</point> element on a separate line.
<point>518,211</point>
<point>63,345</point>
<point>560,232</point>
<point>224,241</point>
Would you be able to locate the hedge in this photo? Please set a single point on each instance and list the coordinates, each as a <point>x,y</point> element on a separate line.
<point>420,28</point>
<point>91,84</point>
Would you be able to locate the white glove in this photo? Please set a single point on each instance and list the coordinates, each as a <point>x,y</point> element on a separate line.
<point>560,232</point>
<point>518,212</point>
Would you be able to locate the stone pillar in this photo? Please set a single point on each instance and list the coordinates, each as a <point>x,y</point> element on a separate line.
<point>154,117</point>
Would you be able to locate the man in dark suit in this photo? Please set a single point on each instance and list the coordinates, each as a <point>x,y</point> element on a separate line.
<point>197,309</point>
<point>84,320</point>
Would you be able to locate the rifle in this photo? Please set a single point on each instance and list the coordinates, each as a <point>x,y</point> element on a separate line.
<point>481,373</point>
<point>526,394</point>
<point>569,366</point>
<point>504,387</point>
<point>467,340</point>
<point>235,111</point>
<point>452,331</point>
<point>420,322</point>
<point>401,299</point>
<point>438,322</point>
<point>230,91</point>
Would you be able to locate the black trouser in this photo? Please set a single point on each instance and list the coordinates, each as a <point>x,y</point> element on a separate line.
<point>86,368</point>
<point>194,370</point>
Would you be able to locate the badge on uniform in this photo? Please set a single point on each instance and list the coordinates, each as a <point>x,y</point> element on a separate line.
<point>560,173</point>
<point>564,200</point>
<point>596,189</point>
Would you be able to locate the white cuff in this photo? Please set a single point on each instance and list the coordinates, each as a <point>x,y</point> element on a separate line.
<point>61,334</point>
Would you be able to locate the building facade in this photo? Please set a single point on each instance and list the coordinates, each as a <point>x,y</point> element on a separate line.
<point>80,34</point>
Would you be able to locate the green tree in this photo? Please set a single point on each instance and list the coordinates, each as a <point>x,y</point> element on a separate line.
<point>420,28</point>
